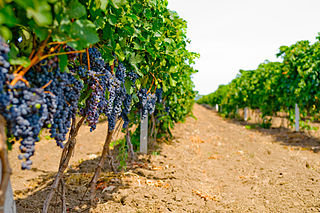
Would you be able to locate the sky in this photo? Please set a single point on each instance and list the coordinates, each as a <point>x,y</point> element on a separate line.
<point>240,34</point>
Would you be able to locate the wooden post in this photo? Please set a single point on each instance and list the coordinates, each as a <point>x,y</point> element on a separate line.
<point>144,135</point>
<point>297,117</point>
<point>246,113</point>
<point>217,107</point>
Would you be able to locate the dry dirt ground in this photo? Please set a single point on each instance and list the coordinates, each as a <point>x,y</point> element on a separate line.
<point>211,165</point>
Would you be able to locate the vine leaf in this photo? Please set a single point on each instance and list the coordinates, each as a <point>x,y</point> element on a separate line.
<point>63,62</point>
<point>40,11</point>
<point>85,31</point>
<point>119,52</point>
<point>76,10</point>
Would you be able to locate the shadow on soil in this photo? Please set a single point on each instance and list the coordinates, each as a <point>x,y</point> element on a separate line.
<point>76,180</point>
<point>284,136</point>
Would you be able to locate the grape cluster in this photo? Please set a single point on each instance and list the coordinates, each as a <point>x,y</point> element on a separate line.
<point>133,77</point>
<point>147,102</point>
<point>4,69</point>
<point>99,80</point>
<point>50,100</point>
<point>71,57</point>
<point>63,96</point>
<point>159,93</point>
<point>108,92</point>
<point>117,95</point>
<point>25,109</point>
<point>126,110</point>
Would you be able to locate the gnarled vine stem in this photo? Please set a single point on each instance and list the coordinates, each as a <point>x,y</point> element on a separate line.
<point>64,161</point>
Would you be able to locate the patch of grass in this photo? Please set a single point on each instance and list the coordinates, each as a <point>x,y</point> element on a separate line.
<point>155,153</point>
<point>252,126</point>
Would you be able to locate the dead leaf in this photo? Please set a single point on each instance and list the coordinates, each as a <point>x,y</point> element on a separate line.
<point>157,168</point>
<point>205,196</point>
<point>196,139</point>
<point>215,157</point>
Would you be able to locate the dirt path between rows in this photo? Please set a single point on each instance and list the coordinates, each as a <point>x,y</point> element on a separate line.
<point>212,165</point>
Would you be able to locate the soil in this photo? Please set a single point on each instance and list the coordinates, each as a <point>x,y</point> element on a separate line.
<point>211,165</point>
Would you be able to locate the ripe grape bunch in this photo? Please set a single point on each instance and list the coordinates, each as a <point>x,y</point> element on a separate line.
<point>49,100</point>
<point>64,91</point>
<point>107,89</point>
<point>24,108</point>
<point>117,95</point>
<point>147,102</point>
<point>98,79</point>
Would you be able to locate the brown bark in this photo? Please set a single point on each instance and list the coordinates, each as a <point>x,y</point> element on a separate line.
<point>105,153</point>
<point>129,144</point>
<point>64,161</point>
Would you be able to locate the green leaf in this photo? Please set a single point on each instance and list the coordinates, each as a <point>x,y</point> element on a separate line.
<point>119,52</point>
<point>41,13</point>
<point>13,50</point>
<point>128,86</point>
<point>134,60</point>
<point>168,40</point>
<point>112,19</point>
<point>99,23</point>
<point>5,33</point>
<point>138,84</point>
<point>85,32</point>
<point>164,87</point>
<point>24,61</point>
<point>7,16</point>
<point>76,10</point>
<point>63,62</point>
<point>103,4</point>
<point>41,32</point>
<point>172,82</point>
<point>118,3</point>
<point>135,98</point>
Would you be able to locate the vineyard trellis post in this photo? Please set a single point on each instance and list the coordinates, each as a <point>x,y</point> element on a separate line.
<point>144,135</point>
<point>8,204</point>
<point>297,117</point>
<point>246,113</point>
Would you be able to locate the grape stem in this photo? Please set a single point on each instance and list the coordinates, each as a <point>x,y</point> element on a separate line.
<point>88,58</point>
<point>155,77</point>
<point>46,85</point>
<point>63,53</point>
<point>61,42</point>
<point>6,170</point>
<point>150,86</point>
<point>33,61</point>
<point>112,67</point>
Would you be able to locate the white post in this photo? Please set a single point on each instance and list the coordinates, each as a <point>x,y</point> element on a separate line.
<point>297,117</point>
<point>9,204</point>
<point>246,113</point>
<point>144,135</point>
<point>217,107</point>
